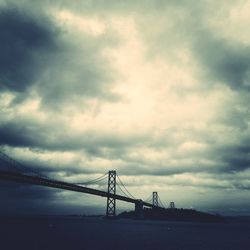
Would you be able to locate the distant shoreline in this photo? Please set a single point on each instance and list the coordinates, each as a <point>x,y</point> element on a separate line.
<point>124,215</point>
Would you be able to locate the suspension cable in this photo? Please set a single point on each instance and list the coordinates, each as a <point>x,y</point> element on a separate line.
<point>149,199</point>
<point>123,191</point>
<point>19,166</point>
<point>100,178</point>
<point>125,188</point>
<point>161,203</point>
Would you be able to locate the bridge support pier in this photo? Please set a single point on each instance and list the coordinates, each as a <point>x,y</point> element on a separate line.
<point>139,210</point>
<point>111,202</point>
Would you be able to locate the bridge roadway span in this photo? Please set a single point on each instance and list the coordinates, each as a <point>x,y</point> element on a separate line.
<point>40,181</point>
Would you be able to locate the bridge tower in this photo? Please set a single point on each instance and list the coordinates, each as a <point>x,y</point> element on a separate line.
<point>155,199</point>
<point>172,205</point>
<point>111,202</point>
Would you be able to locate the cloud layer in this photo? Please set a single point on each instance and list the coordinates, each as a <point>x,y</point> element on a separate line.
<point>157,91</point>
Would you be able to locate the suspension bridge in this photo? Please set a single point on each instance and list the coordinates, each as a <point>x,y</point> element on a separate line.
<point>14,171</point>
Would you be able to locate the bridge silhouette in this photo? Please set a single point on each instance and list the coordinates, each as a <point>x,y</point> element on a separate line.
<point>14,171</point>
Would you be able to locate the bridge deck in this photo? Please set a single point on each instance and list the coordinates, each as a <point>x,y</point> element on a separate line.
<point>40,181</point>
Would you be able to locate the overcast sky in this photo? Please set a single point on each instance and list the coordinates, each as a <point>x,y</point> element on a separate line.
<point>158,90</point>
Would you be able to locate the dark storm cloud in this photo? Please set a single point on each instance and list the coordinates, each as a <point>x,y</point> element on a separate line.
<point>236,115</point>
<point>60,170</point>
<point>37,136</point>
<point>17,135</point>
<point>37,52</point>
<point>225,61</point>
<point>236,158</point>
<point>77,74</point>
<point>25,44</point>
<point>115,146</point>
<point>34,54</point>
<point>221,59</point>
